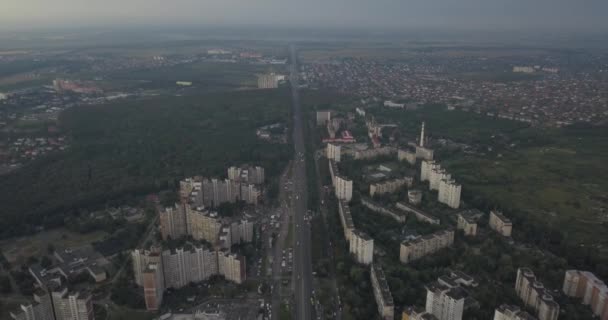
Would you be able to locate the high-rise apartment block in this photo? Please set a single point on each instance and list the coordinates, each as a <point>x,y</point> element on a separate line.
<point>343,188</point>
<point>586,286</point>
<point>382,293</point>
<point>173,222</point>
<point>346,219</point>
<point>72,305</point>
<point>499,223</point>
<point>333,152</point>
<point>510,312</point>
<point>449,193</point>
<point>362,247</point>
<point>426,166</point>
<point>413,313</point>
<point>445,302</point>
<point>154,286</point>
<point>141,259</point>
<point>231,266</point>
<point>411,250</point>
<point>534,295</point>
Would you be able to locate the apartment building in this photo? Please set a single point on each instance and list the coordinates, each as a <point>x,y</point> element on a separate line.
<point>411,250</point>
<point>154,286</point>
<point>343,188</point>
<point>499,223</point>
<point>389,186</point>
<point>203,224</point>
<point>333,152</point>
<point>382,293</point>
<point>534,295</point>
<point>268,81</point>
<point>173,222</point>
<point>72,305</point>
<point>510,312</point>
<point>231,266</point>
<point>247,174</point>
<point>467,222</point>
<point>444,302</point>
<point>141,259</point>
<point>406,154</point>
<point>40,309</point>
<point>449,193</point>
<point>591,290</point>
<point>373,153</point>
<point>346,219</point>
<point>361,246</point>
<point>436,175</point>
<point>426,166</point>
<point>182,266</point>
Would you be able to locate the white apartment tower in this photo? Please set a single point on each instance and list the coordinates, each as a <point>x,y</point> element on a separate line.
<point>444,302</point>
<point>344,188</point>
<point>449,193</point>
<point>362,247</point>
<point>333,152</point>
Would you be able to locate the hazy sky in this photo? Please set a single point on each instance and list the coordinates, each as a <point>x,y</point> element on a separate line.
<point>496,14</point>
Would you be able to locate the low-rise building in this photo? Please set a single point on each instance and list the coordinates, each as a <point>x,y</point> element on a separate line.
<point>499,223</point>
<point>378,208</point>
<point>510,312</point>
<point>414,196</point>
<point>406,154</point>
<point>418,213</point>
<point>411,250</point>
<point>467,221</point>
<point>382,293</point>
<point>323,116</point>
<point>413,313</point>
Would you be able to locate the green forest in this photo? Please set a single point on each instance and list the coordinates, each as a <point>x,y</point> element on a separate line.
<point>135,147</point>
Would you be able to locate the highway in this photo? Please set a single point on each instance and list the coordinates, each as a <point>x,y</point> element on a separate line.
<point>302,255</point>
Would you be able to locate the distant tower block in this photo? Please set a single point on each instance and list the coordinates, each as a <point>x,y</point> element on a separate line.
<point>414,196</point>
<point>422,135</point>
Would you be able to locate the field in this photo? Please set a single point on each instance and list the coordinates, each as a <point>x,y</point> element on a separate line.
<point>16,250</point>
<point>204,75</point>
<point>134,147</point>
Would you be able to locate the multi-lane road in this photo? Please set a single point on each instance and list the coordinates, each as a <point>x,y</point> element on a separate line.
<point>302,260</point>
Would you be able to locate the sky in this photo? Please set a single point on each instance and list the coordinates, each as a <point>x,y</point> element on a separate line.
<point>394,14</point>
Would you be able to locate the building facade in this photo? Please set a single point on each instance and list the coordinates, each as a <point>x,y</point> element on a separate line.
<point>499,223</point>
<point>154,286</point>
<point>449,193</point>
<point>333,152</point>
<point>389,186</point>
<point>411,250</point>
<point>510,312</point>
<point>444,302</point>
<point>361,247</point>
<point>590,289</point>
<point>534,295</point>
<point>343,188</point>
<point>382,293</point>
